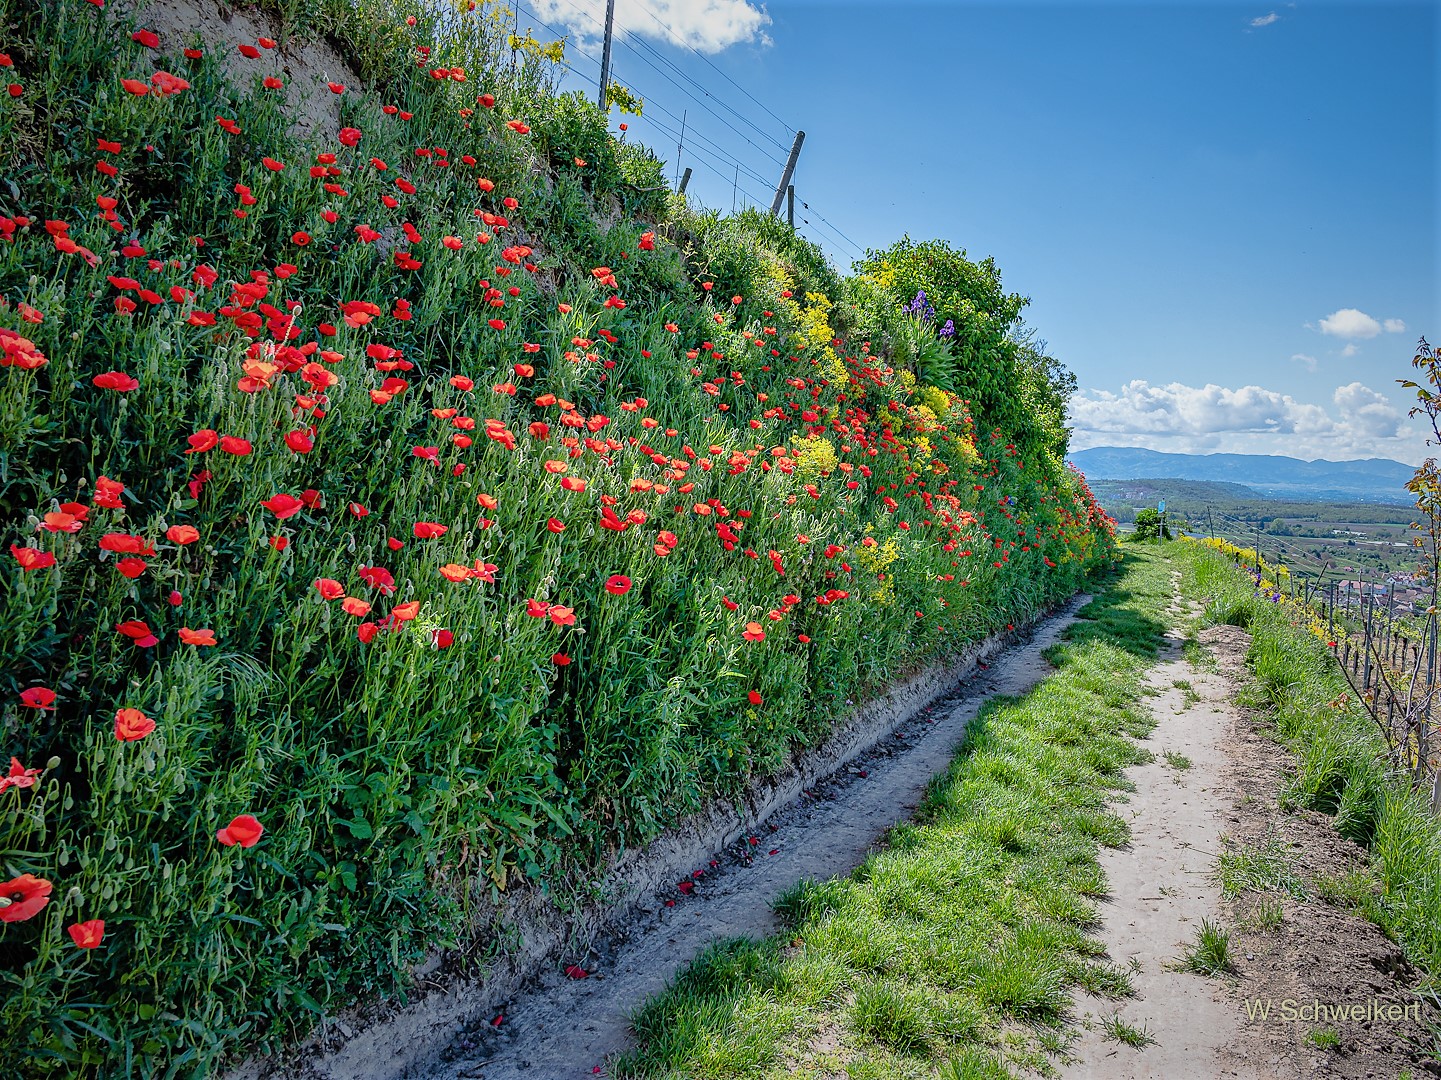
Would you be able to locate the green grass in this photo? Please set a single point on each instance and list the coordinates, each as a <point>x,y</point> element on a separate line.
<point>1210,953</point>
<point>1268,915</point>
<point>1324,1038</point>
<point>1138,1038</point>
<point>955,950</point>
<point>1262,867</point>
<point>1179,762</point>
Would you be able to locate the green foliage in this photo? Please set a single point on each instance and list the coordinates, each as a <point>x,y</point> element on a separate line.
<point>998,367</point>
<point>1210,952</point>
<point>1150,525</point>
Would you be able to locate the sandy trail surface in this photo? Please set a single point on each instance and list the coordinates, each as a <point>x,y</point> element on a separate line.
<point>1162,885</point>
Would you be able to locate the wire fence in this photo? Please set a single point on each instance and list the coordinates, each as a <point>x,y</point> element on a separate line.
<point>1386,651</point>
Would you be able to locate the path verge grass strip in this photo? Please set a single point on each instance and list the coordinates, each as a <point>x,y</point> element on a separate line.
<point>1340,758</point>
<point>956,947</point>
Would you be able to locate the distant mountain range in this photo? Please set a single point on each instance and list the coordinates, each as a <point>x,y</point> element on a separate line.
<point>1371,479</point>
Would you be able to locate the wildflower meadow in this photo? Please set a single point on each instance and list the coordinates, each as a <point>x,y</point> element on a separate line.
<point>428,504</point>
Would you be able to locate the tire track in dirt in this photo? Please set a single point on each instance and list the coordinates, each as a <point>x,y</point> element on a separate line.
<point>566,1027</point>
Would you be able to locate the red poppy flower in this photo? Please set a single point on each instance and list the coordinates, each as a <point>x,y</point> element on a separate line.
<point>561,615</point>
<point>182,534</point>
<point>429,530</point>
<point>754,632</point>
<point>280,543</point>
<point>134,86</point>
<point>87,935</point>
<point>555,525</point>
<point>61,521</point>
<point>754,697</point>
<point>454,572</point>
<point>31,558</point>
<point>202,441</point>
<point>108,492</point>
<point>24,897</point>
<point>243,829</point>
<point>138,632</point>
<point>378,577</point>
<point>354,606</point>
<point>405,612</point>
<point>560,659</point>
<point>442,639</point>
<point>234,444</point>
<point>617,585</point>
<point>131,567</point>
<point>283,506</point>
<point>336,88</point>
<point>126,544</point>
<point>132,725</point>
<point>197,637</point>
<point>329,588</point>
<point>19,776</point>
<point>116,380</point>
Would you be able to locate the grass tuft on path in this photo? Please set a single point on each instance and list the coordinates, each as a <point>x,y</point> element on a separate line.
<point>953,951</point>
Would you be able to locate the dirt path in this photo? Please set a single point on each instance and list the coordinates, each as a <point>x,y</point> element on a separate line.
<point>1163,886</point>
<point>565,1027</point>
<point>1296,940</point>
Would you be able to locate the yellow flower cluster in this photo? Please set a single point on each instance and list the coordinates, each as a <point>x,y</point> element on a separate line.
<point>876,560</point>
<point>815,456</point>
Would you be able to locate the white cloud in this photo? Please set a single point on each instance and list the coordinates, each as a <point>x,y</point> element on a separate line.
<point>1350,323</point>
<point>706,25</point>
<point>1266,20</point>
<point>1358,423</point>
<point>1308,362</point>
<point>1367,412</point>
<point>1350,350</point>
<point>1394,326</point>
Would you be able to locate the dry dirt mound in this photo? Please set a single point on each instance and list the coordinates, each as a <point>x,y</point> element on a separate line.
<point>306,68</point>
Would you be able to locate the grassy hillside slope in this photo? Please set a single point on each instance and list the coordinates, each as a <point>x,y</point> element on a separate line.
<point>407,510</point>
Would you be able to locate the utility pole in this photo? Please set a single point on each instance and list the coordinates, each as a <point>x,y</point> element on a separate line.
<point>684,180</point>
<point>791,205</point>
<point>605,54</point>
<point>680,146</point>
<point>1209,524</point>
<point>790,171</point>
<point>734,185</point>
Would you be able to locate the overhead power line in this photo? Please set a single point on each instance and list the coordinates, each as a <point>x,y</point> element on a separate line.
<point>705,59</point>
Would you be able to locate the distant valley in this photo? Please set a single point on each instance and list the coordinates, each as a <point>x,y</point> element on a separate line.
<point>1372,480</point>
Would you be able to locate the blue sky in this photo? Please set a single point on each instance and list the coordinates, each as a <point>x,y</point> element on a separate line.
<point>1225,215</point>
